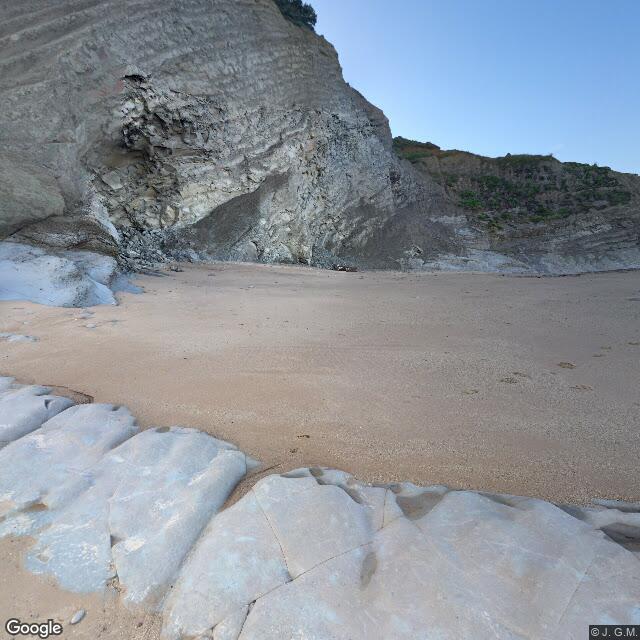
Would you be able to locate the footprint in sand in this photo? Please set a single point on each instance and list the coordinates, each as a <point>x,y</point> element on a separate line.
<point>509,380</point>
<point>597,355</point>
<point>470,392</point>
<point>582,387</point>
<point>567,365</point>
<point>634,344</point>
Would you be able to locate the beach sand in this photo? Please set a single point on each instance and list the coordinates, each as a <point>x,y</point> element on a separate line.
<point>500,383</point>
<point>34,599</point>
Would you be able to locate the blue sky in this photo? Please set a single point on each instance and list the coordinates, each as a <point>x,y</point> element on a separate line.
<point>499,76</point>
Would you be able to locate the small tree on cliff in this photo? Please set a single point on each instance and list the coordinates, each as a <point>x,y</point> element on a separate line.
<point>298,12</point>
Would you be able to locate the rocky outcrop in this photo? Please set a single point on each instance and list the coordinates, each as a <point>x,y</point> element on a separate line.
<point>532,213</point>
<point>220,129</point>
<point>199,129</point>
<point>312,553</point>
<point>59,279</point>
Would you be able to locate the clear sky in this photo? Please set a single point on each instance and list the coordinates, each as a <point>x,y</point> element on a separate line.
<point>498,76</point>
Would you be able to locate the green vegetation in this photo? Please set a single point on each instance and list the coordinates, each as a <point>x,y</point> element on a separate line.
<point>298,12</point>
<point>618,197</point>
<point>470,200</point>
<point>494,193</point>
<point>523,163</point>
<point>413,150</point>
<point>535,189</point>
<point>516,189</point>
<point>591,175</point>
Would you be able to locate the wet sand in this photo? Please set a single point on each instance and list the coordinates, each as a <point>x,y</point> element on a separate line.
<point>509,384</point>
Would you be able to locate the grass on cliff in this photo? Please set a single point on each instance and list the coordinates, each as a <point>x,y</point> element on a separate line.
<point>517,188</point>
<point>413,150</point>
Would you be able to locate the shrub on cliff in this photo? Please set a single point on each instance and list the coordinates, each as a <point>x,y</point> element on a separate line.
<point>298,12</point>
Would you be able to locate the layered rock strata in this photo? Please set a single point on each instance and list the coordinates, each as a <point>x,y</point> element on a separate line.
<point>533,214</point>
<point>197,129</point>
<point>203,129</point>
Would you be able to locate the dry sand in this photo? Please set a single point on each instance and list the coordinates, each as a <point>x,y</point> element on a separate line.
<point>519,385</point>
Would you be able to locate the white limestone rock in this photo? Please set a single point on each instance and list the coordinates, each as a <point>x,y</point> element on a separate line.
<point>157,518</point>
<point>310,554</point>
<point>231,627</point>
<point>321,604</point>
<point>147,503</point>
<point>312,522</point>
<point>45,469</point>
<point>78,616</point>
<point>283,528</point>
<point>23,410</point>
<point>6,382</point>
<point>237,560</point>
<point>445,564</point>
<point>619,520</point>
<point>70,279</point>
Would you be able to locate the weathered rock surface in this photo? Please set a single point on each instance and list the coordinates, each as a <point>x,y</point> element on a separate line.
<point>24,409</point>
<point>63,279</point>
<point>218,129</point>
<point>311,553</point>
<point>528,213</point>
<point>220,125</point>
<point>28,193</point>
<point>146,503</point>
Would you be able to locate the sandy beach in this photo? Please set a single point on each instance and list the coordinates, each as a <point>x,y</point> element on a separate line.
<point>507,384</point>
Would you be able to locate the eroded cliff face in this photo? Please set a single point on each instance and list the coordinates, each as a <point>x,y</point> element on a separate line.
<point>199,128</point>
<point>535,213</point>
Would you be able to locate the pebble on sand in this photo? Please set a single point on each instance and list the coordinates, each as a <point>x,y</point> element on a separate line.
<point>14,337</point>
<point>78,616</point>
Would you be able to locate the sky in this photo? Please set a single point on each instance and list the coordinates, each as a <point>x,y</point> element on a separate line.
<point>498,76</point>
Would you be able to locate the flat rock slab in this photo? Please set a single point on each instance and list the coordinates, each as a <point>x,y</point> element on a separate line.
<point>148,501</point>
<point>312,553</point>
<point>103,501</point>
<point>24,408</point>
<point>41,472</point>
<point>421,563</point>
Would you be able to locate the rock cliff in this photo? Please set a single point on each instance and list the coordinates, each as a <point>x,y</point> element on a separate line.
<point>196,127</point>
<point>214,129</point>
<point>534,213</point>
